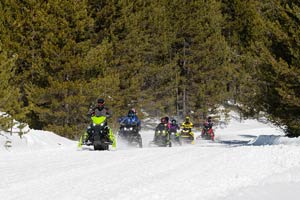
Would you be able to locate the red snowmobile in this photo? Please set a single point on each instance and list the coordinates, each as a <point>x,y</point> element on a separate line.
<point>207,133</point>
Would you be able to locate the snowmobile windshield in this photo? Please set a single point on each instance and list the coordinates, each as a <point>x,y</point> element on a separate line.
<point>98,120</point>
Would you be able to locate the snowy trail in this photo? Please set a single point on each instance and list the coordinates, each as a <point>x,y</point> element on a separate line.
<point>196,172</point>
<point>237,166</point>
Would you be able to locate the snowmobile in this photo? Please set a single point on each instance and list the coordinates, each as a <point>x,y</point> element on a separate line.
<point>99,135</point>
<point>130,133</point>
<point>161,137</point>
<point>186,136</point>
<point>207,133</point>
<point>174,136</point>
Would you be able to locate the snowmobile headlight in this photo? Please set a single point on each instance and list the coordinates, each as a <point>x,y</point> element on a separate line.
<point>163,131</point>
<point>94,124</point>
<point>131,128</point>
<point>125,129</point>
<point>102,124</point>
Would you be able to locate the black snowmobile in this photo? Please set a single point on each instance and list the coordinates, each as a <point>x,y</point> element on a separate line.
<point>174,137</point>
<point>161,137</point>
<point>130,133</point>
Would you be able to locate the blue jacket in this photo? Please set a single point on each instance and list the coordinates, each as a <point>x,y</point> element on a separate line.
<point>130,120</point>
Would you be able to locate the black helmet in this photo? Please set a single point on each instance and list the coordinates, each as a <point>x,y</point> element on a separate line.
<point>130,113</point>
<point>173,121</point>
<point>167,119</point>
<point>101,101</point>
<point>209,119</point>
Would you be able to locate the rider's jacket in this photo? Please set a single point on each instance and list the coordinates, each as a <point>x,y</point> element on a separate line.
<point>134,120</point>
<point>187,125</point>
<point>208,124</point>
<point>99,111</point>
<point>174,128</point>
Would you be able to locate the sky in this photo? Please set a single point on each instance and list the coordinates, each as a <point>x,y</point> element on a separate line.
<point>249,159</point>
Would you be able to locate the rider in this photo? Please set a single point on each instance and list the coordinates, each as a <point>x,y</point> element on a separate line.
<point>174,130</point>
<point>135,118</point>
<point>187,124</point>
<point>130,119</point>
<point>208,123</point>
<point>167,122</point>
<point>162,126</point>
<point>98,110</point>
<point>174,127</point>
<point>207,128</point>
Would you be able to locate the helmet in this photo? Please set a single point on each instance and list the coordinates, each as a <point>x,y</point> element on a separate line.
<point>209,119</point>
<point>167,119</point>
<point>173,121</point>
<point>101,101</point>
<point>163,120</point>
<point>187,118</point>
<point>130,113</point>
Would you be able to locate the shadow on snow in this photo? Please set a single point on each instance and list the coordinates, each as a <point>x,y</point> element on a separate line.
<point>260,140</point>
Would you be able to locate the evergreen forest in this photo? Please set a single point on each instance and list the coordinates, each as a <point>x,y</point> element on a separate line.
<point>161,57</point>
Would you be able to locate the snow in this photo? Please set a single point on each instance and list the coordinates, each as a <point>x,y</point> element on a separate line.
<point>249,160</point>
<point>33,140</point>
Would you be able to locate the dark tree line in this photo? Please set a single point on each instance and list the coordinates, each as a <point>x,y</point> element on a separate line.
<point>172,57</point>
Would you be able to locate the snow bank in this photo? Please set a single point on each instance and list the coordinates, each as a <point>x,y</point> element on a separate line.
<point>33,140</point>
<point>30,139</point>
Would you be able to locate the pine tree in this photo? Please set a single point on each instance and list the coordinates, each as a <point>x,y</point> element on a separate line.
<point>245,32</point>
<point>201,53</point>
<point>59,104</point>
<point>51,38</point>
<point>139,45</point>
<point>264,36</point>
<point>283,70</point>
<point>11,106</point>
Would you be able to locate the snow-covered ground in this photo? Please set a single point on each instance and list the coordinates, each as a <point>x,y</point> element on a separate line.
<point>249,160</point>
